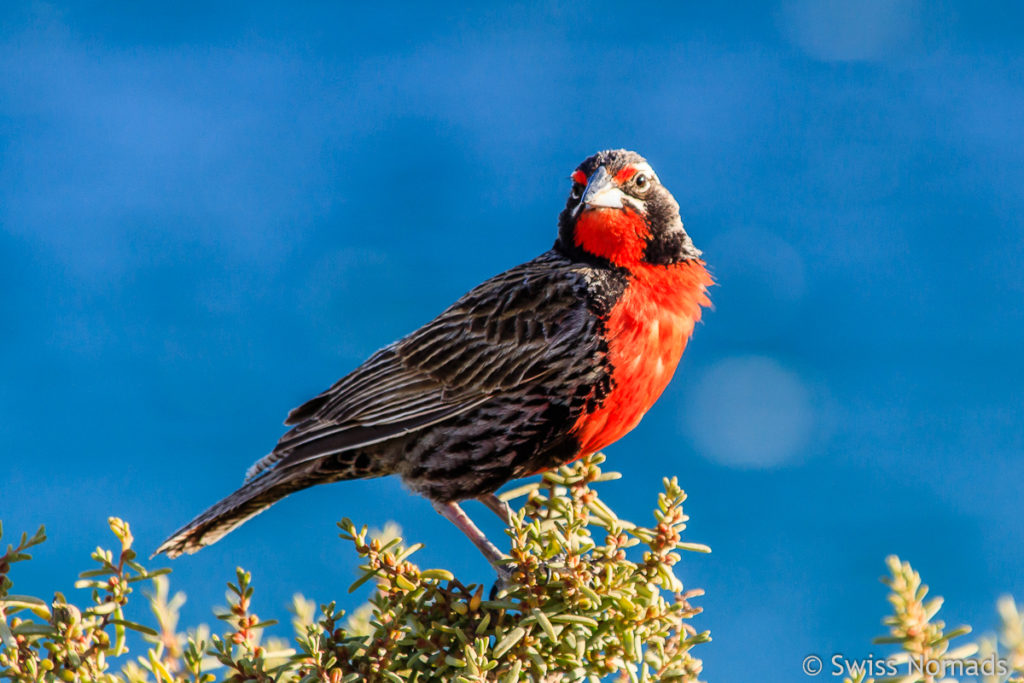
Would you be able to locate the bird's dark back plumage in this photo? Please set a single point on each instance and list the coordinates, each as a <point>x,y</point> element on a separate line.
<point>484,393</point>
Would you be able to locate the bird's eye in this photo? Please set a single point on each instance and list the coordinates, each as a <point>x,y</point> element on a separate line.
<point>577,191</point>
<point>642,182</point>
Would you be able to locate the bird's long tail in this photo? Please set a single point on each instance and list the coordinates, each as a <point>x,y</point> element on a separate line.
<point>224,516</point>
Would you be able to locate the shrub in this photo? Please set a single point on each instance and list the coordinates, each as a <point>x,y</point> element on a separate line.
<point>588,595</point>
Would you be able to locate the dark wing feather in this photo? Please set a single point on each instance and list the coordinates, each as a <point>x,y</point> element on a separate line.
<point>513,329</point>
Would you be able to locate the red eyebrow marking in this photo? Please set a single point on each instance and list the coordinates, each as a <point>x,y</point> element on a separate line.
<point>625,174</point>
<point>579,176</point>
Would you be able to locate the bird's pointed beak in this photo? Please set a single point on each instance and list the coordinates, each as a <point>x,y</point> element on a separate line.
<point>601,192</point>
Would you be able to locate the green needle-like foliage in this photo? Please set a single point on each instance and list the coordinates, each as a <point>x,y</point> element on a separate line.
<point>589,596</point>
<point>926,649</point>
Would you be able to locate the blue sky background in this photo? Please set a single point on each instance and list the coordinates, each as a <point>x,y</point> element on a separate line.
<point>208,215</point>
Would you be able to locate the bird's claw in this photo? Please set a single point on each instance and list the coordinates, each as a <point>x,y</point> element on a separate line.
<point>504,580</point>
<point>506,571</point>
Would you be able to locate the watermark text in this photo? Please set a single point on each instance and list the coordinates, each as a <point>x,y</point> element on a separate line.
<point>838,664</point>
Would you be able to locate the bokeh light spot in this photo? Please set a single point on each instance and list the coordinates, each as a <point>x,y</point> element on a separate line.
<point>838,30</point>
<point>749,412</point>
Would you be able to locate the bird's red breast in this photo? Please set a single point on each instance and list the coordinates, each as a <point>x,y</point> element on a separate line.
<point>647,329</point>
<point>617,235</point>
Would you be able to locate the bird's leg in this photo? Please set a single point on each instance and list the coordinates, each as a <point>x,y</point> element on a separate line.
<point>454,514</point>
<point>502,509</point>
<point>498,506</point>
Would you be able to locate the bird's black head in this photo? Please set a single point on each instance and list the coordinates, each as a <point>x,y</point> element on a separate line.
<point>618,211</point>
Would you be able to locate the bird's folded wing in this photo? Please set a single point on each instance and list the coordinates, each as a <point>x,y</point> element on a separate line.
<point>513,329</point>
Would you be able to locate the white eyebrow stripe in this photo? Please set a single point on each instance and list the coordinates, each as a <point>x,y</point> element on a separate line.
<point>645,168</point>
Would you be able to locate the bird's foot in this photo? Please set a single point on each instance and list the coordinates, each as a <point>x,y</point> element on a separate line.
<point>507,577</point>
<point>556,565</point>
<point>504,580</point>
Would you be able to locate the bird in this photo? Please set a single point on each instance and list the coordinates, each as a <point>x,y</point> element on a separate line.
<point>547,362</point>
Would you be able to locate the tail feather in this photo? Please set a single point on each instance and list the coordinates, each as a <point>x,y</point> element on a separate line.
<point>231,512</point>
